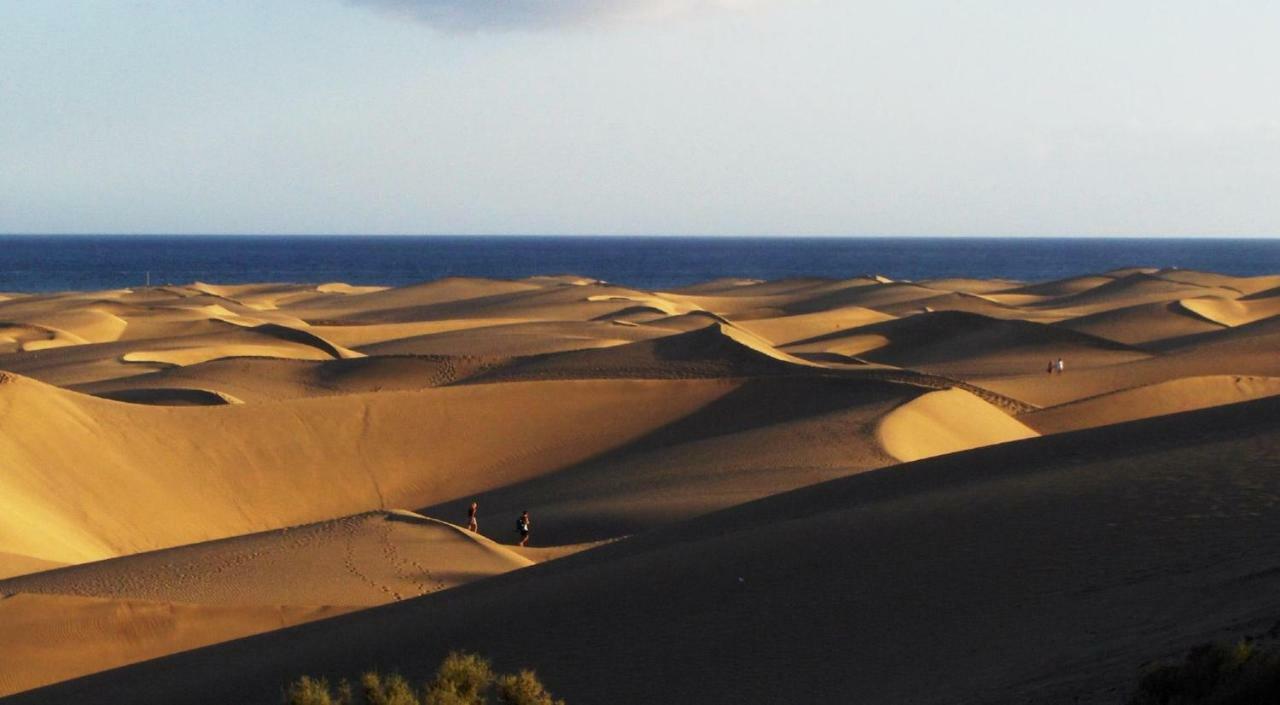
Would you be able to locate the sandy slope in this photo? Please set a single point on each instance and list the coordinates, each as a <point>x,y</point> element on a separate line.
<point>14,564</point>
<point>1171,397</point>
<point>969,344</point>
<point>944,422</point>
<point>227,413</point>
<point>194,474</point>
<point>367,559</point>
<point>109,613</point>
<point>768,436</point>
<point>1143,323</point>
<point>1045,571</point>
<point>264,380</point>
<point>49,638</point>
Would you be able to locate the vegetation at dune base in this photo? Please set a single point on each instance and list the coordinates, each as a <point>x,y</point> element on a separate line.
<point>462,679</point>
<point>1244,673</point>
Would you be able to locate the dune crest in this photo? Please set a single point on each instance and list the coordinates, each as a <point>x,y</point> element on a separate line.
<point>950,421</point>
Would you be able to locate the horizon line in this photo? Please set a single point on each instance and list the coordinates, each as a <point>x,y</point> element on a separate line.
<point>755,236</point>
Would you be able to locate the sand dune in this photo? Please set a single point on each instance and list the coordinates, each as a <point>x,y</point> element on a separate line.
<point>1230,312</point>
<point>171,396</point>
<point>969,344</point>
<point>1247,350</point>
<point>367,451</point>
<point>1171,397</point>
<point>1136,288</point>
<point>1243,285</point>
<point>516,339</point>
<point>386,302</point>
<point>367,559</point>
<point>1142,324</point>
<point>766,436</point>
<point>715,350</point>
<point>938,423</point>
<point>49,638</point>
<point>734,485</point>
<point>264,379</point>
<point>1059,288</point>
<point>13,564</point>
<point>1017,573</point>
<point>789,329</point>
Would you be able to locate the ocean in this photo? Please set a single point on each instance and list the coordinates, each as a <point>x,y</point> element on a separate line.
<point>43,263</point>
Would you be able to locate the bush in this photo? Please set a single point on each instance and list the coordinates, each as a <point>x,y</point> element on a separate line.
<point>309,691</point>
<point>392,690</point>
<point>1244,673</point>
<point>461,679</point>
<point>524,688</point>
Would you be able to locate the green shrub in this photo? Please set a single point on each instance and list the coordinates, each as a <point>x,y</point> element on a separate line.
<point>462,679</point>
<point>1214,674</point>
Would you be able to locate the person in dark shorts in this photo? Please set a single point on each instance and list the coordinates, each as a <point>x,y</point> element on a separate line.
<point>473,523</point>
<point>522,526</point>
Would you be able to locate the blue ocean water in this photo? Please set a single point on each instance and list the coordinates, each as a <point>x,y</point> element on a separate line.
<point>86,262</point>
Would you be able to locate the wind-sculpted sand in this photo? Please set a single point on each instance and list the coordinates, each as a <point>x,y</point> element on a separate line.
<point>744,491</point>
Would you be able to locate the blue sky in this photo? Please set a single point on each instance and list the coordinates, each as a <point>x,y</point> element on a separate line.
<point>939,117</point>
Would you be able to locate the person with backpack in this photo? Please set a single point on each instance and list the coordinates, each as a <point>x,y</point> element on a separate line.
<point>522,526</point>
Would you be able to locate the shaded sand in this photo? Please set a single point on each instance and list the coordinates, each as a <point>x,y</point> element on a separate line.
<point>262,380</point>
<point>1183,394</point>
<point>1247,350</point>
<point>49,638</point>
<point>171,396</point>
<point>1136,288</point>
<point>767,436</point>
<point>1046,570</point>
<point>969,344</point>
<point>1143,324</point>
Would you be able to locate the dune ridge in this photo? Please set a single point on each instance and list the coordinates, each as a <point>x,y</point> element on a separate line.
<point>208,489</point>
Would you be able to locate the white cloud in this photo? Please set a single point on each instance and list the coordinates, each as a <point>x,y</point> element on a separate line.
<point>466,15</point>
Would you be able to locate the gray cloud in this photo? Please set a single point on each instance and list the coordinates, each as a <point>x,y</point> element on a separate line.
<point>467,15</point>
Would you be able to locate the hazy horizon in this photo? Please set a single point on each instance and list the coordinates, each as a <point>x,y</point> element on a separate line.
<point>764,118</point>
<point>690,236</point>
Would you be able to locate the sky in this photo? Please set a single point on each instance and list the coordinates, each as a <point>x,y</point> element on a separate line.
<point>738,117</point>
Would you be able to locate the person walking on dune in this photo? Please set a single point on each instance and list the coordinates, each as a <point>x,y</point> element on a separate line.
<point>522,525</point>
<point>473,523</point>
<point>1059,365</point>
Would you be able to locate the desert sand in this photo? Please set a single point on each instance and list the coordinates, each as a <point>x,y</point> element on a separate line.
<point>742,491</point>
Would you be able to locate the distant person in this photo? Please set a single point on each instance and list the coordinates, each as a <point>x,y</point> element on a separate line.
<point>522,525</point>
<point>1059,365</point>
<point>473,523</point>
<point>1052,367</point>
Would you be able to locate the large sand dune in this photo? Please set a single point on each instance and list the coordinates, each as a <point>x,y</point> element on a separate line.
<point>808,489</point>
<point>1042,571</point>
